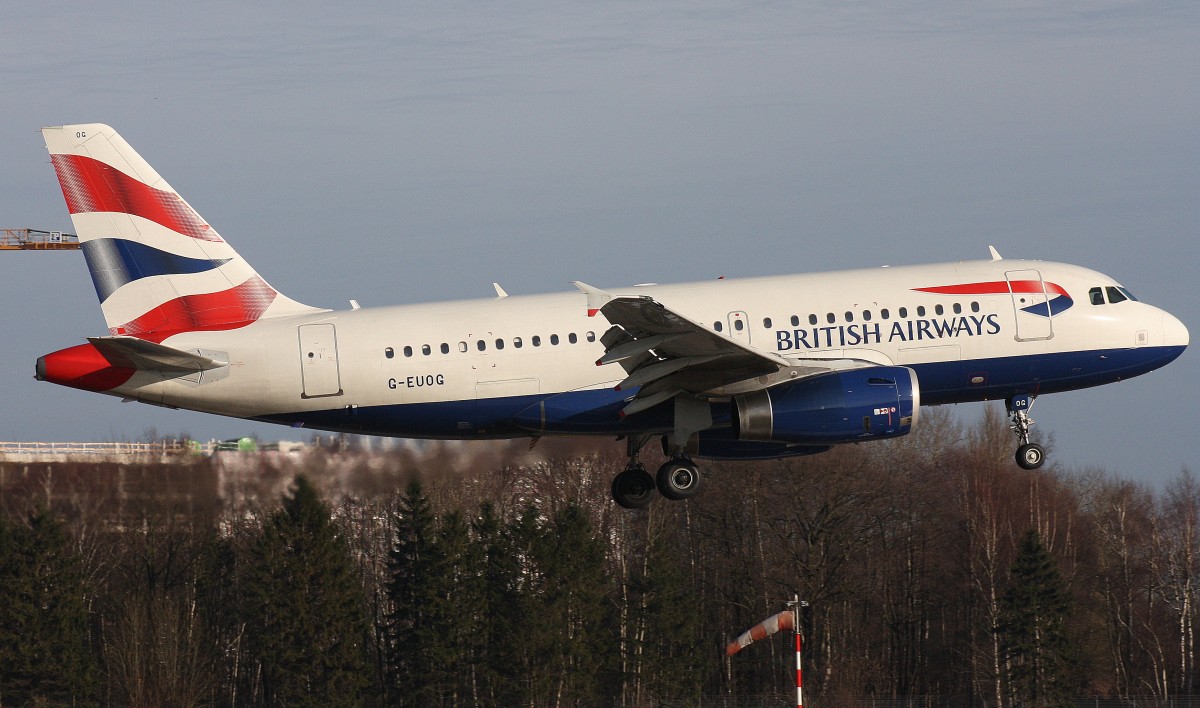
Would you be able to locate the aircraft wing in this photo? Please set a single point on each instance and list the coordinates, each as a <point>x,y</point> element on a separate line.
<point>147,356</point>
<point>666,354</point>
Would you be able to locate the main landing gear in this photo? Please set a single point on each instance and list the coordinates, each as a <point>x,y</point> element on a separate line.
<point>1030,456</point>
<point>677,479</point>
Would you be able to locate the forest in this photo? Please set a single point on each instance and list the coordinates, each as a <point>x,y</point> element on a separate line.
<point>935,572</point>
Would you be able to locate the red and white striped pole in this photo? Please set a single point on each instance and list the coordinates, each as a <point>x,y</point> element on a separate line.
<point>799,680</point>
<point>796,605</point>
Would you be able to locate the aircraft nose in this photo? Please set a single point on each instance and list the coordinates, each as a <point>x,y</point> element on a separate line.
<point>1175,334</point>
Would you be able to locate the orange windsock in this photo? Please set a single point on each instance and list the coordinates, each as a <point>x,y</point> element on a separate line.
<point>762,630</point>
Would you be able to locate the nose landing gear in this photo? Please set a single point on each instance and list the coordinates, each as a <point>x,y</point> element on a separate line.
<point>1030,456</point>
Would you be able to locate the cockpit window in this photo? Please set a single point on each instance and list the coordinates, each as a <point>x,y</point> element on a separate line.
<point>1115,294</point>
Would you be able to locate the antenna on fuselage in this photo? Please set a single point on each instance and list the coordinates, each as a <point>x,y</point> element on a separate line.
<point>995,253</point>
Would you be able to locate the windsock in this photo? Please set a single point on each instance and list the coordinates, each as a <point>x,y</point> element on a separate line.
<point>762,630</point>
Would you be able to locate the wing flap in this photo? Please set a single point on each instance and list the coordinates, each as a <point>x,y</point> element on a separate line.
<point>665,353</point>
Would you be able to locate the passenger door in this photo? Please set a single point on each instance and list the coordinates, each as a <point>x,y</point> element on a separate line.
<point>1031,305</point>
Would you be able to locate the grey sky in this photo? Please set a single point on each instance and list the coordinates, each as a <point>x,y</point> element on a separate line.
<point>396,153</point>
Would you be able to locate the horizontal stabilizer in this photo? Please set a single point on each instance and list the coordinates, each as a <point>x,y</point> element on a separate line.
<point>144,355</point>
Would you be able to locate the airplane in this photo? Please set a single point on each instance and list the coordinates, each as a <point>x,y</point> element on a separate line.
<point>728,369</point>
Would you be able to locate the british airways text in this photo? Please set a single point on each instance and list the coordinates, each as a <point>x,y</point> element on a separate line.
<point>851,335</point>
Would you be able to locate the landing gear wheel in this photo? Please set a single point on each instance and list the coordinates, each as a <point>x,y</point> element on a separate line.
<point>1030,456</point>
<point>678,479</point>
<point>633,488</point>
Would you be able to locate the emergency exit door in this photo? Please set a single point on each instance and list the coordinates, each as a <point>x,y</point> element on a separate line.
<point>319,361</point>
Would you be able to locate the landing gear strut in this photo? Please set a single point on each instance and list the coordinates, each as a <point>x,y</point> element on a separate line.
<point>1030,456</point>
<point>677,479</point>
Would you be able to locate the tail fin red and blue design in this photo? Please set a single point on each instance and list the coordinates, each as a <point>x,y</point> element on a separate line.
<point>159,269</point>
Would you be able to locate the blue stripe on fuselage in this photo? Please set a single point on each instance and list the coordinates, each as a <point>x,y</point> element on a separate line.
<point>595,412</point>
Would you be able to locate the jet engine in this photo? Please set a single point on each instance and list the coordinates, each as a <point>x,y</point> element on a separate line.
<point>838,407</point>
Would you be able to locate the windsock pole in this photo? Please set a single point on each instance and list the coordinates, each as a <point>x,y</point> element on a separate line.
<point>796,605</point>
<point>799,678</point>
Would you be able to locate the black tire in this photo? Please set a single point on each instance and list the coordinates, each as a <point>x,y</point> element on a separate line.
<point>633,488</point>
<point>1030,456</point>
<point>678,479</point>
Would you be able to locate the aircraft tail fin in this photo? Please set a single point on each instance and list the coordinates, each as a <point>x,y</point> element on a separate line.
<point>159,269</point>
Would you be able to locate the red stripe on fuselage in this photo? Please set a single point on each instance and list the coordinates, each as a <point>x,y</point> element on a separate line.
<point>228,309</point>
<point>89,185</point>
<point>995,288</point>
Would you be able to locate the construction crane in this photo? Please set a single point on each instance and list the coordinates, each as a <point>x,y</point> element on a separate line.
<point>35,240</point>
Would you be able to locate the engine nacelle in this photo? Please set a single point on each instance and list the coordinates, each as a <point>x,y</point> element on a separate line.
<point>838,407</point>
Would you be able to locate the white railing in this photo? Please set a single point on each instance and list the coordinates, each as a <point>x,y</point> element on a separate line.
<point>98,449</point>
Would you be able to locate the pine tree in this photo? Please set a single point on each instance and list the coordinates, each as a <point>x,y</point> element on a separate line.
<point>460,594</point>
<point>574,640</point>
<point>674,649</point>
<point>45,649</point>
<point>1032,628</point>
<point>306,623</point>
<point>498,613</point>
<point>415,621</point>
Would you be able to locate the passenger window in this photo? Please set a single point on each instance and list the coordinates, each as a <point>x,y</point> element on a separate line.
<point>866,315</point>
<point>445,348</point>
<point>830,318</point>
<point>920,310</point>
<point>536,340</point>
<point>795,320</point>
<point>425,349</point>
<point>903,313</point>
<point>884,313</point>
<point>482,345</point>
<point>408,351</point>
<point>389,352</point>
<point>462,347</point>
<point>849,316</point>
<point>739,325</point>
<point>1096,296</point>
<point>812,319</point>
<point>517,342</point>
<point>938,309</point>
<point>974,307</point>
<point>1115,295</point>
<point>554,339</point>
<point>717,326</point>
<point>572,338</point>
<point>957,309</point>
<point>590,336</point>
<point>499,343</point>
<point>767,322</point>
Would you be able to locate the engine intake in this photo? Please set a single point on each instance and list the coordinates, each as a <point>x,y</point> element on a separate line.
<point>838,407</point>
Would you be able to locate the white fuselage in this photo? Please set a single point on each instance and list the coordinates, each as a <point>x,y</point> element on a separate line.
<point>470,368</point>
